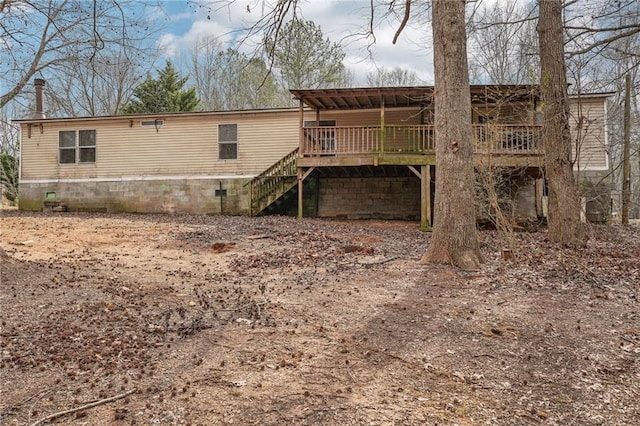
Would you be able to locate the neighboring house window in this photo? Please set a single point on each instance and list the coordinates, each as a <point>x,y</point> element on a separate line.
<point>77,146</point>
<point>227,141</point>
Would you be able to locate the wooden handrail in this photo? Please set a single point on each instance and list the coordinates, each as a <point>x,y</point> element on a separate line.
<point>512,139</point>
<point>274,178</point>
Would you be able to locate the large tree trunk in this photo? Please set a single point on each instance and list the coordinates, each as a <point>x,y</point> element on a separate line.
<point>565,226</point>
<point>454,240</point>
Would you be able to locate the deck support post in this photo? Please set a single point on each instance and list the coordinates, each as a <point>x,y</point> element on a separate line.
<point>300,194</point>
<point>425,198</point>
<point>301,127</point>
<point>383,132</point>
<point>300,154</point>
<point>425,195</point>
<point>302,175</point>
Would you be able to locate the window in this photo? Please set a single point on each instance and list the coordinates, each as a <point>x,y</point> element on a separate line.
<point>87,146</point>
<point>227,141</point>
<point>67,147</point>
<point>77,146</point>
<point>323,123</point>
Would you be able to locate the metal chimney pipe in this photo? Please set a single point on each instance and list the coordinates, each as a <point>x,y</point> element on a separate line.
<point>39,84</point>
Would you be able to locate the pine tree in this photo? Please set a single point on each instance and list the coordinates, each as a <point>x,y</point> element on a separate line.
<point>164,94</point>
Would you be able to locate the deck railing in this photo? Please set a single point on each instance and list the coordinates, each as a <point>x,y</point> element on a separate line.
<point>274,180</point>
<point>508,139</point>
<point>417,139</point>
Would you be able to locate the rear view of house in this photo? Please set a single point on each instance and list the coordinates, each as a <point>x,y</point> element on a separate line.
<point>358,153</point>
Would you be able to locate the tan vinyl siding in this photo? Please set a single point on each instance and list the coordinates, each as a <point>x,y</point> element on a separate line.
<point>39,151</point>
<point>521,113</point>
<point>588,132</point>
<point>503,114</point>
<point>182,146</point>
<point>392,116</point>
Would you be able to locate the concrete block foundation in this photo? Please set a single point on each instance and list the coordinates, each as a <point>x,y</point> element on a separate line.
<point>194,196</point>
<point>369,197</point>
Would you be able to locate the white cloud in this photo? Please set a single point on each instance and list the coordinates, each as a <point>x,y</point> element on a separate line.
<point>168,45</point>
<point>344,21</point>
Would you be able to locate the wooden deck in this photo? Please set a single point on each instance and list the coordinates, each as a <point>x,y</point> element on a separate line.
<point>503,145</point>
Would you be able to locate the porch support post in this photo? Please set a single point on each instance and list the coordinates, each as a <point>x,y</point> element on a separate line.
<point>300,154</point>
<point>539,193</point>
<point>383,133</point>
<point>302,175</point>
<point>425,198</point>
<point>421,133</point>
<point>301,127</point>
<point>300,195</point>
<point>425,195</point>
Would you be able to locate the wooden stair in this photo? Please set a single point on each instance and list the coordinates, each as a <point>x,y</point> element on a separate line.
<point>271,185</point>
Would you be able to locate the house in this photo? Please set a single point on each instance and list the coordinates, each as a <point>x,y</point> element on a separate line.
<point>353,153</point>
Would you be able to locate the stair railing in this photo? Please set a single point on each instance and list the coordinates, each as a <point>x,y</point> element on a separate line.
<point>273,180</point>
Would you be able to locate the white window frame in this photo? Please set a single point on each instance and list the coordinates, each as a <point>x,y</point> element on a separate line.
<point>227,142</point>
<point>77,148</point>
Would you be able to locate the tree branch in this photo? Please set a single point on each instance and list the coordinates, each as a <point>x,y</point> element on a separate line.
<point>83,407</point>
<point>604,42</point>
<point>405,19</point>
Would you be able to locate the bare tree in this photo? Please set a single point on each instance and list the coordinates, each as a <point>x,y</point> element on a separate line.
<point>454,240</point>
<point>592,27</point>
<point>603,46</point>
<point>303,58</point>
<point>100,87</point>
<point>38,37</point>
<point>228,79</point>
<point>203,63</point>
<point>565,226</point>
<point>384,77</point>
<point>503,44</point>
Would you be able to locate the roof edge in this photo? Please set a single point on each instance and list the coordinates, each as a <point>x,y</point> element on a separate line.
<point>156,115</point>
<point>592,95</point>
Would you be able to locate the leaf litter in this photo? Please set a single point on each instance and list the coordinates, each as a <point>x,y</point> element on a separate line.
<point>273,320</point>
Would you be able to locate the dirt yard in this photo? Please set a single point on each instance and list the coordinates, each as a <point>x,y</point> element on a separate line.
<point>186,320</point>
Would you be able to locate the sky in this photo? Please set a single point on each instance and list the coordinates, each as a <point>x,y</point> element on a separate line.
<point>340,20</point>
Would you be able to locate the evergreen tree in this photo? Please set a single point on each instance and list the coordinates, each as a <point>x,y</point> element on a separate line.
<point>164,94</point>
<point>9,176</point>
